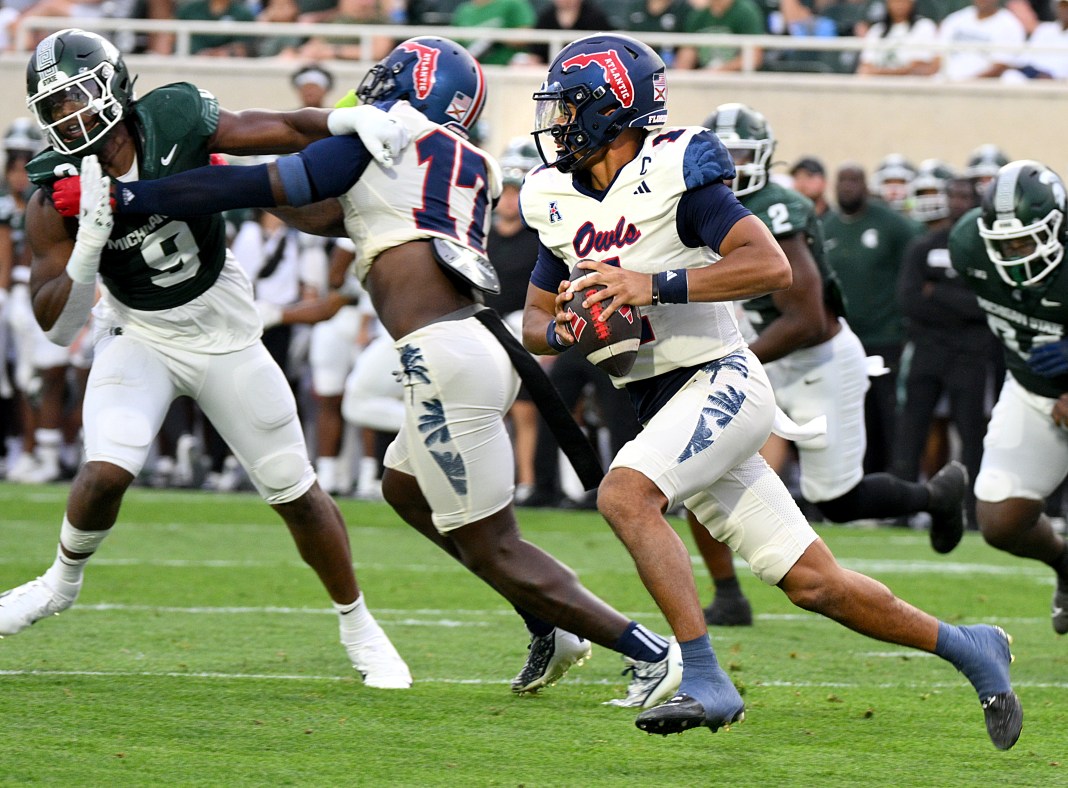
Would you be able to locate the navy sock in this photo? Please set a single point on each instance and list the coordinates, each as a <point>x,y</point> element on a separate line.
<point>702,678</point>
<point>535,625</point>
<point>974,651</point>
<point>639,643</point>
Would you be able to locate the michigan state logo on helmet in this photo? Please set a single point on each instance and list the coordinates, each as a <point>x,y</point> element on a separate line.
<point>748,136</point>
<point>438,77</point>
<point>1022,222</point>
<point>78,89</point>
<point>597,87</point>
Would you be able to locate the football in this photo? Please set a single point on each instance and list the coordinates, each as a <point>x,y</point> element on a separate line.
<point>612,345</point>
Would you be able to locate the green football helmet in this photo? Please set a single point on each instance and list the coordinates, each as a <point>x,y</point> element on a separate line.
<point>891,180</point>
<point>984,162</point>
<point>519,157</point>
<point>928,200</point>
<point>23,137</point>
<point>1022,222</point>
<point>78,89</point>
<point>748,136</point>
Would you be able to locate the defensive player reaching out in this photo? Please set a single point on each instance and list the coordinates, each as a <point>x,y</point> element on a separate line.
<point>420,229</point>
<point>176,317</point>
<point>647,208</point>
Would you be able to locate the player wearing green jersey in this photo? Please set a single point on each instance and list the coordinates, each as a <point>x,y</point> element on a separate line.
<point>1010,252</point>
<point>176,316</point>
<point>818,368</point>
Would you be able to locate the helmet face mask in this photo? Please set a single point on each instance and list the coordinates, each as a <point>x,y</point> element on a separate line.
<point>78,89</point>
<point>928,192</point>
<point>747,135</point>
<point>519,158</point>
<point>1022,222</point>
<point>892,180</point>
<point>595,88</point>
<point>438,77</point>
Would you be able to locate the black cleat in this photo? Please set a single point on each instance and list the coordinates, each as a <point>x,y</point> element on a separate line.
<point>682,713</point>
<point>1004,718</point>
<point>729,611</point>
<point>947,489</point>
<point>548,659</point>
<point>1059,611</point>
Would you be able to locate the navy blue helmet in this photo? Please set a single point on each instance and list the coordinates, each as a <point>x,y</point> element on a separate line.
<point>597,87</point>
<point>436,76</point>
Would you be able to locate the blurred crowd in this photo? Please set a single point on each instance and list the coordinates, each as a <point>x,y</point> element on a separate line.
<point>898,34</point>
<point>885,237</point>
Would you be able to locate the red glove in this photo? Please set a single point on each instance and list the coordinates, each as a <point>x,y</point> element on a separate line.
<point>217,160</point>
<point>67,196</point>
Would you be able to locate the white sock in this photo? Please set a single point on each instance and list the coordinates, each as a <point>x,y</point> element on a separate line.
<point>65,575</point>
<point>368,473</point>
<point>326,470</point>
<point>356,620</point>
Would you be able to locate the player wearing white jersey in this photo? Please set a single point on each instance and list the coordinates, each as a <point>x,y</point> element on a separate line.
<point>702,395</point>
<point>420,230</point>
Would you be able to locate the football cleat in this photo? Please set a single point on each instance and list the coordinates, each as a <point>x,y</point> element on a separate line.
<point>729,611</point>
<point>947,489</point>
<point>1004,718</point>
<point>1059,611</point>
<point>683,712</point>
<point>549,657</point>
<point>30,602</point>
<point>651,682</point>
<point>378,661</point>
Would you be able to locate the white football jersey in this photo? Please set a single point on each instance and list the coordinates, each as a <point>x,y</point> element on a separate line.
<point>633,225</point>
<point>439,186</point>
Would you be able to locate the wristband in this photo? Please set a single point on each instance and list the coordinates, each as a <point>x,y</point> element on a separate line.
<point>83,264</point>
<point>553,339</point>
<point>671,287</point>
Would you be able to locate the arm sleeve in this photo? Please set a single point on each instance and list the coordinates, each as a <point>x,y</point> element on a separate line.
<point>75,313</point>
<point>326,168</point>
<point>707,214</point>
<point>549,270</point>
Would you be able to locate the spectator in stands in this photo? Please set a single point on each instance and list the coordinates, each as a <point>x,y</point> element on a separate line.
<point>312,83</point>
<point>279,11</point>
<point>222,44</point>
<point>865,241</point>
<point>982,22</point>
<point>899,43</point>
<point>810,178</point>
<point>493,13</point>
<point>578,15</point>
<point>350,12</point>
<point>739,17</point>
<point>1047,50</point>
<point>652,16</point>
<point>76,9</point>
<point>947,333</point>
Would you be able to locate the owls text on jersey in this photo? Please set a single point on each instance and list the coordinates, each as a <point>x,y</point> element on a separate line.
<point>1022,318</point>
<point>633,224</point>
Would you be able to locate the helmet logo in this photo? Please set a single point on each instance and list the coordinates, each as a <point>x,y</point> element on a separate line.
<point>425,69</point>
<point>615,73</point>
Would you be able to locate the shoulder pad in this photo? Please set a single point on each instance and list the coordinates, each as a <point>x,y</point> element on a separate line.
<point>706,161</point>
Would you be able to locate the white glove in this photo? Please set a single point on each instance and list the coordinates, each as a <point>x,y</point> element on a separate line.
<point>382,135</point>
<point>270,314</point>
<point>94,222</point>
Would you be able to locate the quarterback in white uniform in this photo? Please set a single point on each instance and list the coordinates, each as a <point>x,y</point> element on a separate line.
<point>644,209</point>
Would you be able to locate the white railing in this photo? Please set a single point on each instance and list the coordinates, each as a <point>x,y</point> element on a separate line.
<point>749,46</point>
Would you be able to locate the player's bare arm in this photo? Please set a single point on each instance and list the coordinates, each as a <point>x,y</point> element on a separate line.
<point>51,243</point>
<point>803,319</point>
<point>261,131</point>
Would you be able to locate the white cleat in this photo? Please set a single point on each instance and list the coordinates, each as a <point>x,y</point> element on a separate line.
<point>549,658</point>
<point>30,602</point>
<point>652,683</point>
<point>378,661</point>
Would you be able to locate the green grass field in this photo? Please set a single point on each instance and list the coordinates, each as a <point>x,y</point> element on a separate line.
<point>203,652</point>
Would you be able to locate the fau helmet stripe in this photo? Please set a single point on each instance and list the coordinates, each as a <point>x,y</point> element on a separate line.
<point>615,73</point>
<point>424,72</point>
<point>480,95</point>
